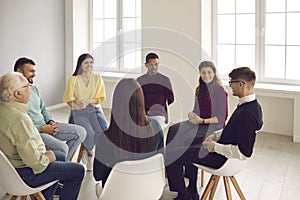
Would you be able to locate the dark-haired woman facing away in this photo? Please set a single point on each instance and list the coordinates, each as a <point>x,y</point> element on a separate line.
<point>130,135</point>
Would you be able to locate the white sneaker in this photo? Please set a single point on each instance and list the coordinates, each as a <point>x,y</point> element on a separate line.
<point>84,158</point>
<point>90,163</point>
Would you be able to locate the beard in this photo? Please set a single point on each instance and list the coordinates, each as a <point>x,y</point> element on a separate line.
<point>30,80</point>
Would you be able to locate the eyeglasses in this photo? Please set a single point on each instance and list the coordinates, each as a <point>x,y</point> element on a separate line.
<point>236,81</point>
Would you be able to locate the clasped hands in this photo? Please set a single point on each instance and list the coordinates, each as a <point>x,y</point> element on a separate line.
<point>81,105</point>
<point>52,128</point>
<point>194,118</point>
<point>209,143</point>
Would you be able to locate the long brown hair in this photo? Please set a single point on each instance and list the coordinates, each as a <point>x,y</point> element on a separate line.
<point>129,128</point>
<point>80,60</point>
<point>203,89</point>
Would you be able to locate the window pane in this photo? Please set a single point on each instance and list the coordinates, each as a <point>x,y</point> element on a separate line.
<point>98,8</point>
<point>225,6</point>
<point>275,5</point>
<point>110,55</point>
<point>275,62</point>
<point>110,9</point>
<point>293,5</point>
<point>110,30</point>
<point>226,29</point>
<point>138,32</point>
<point>97,30</point>
<point>293,29</point>
<point>245,29</point>
<point>275,29</point>
<point>245,56</point>
<point>138,8</point>
<point>98,55</point>
<point>293,62</point>
<point>225,59</point>
<point>245,6</point>
<point>128,8</point>
<point>129,56</point>
<point>129,29</point>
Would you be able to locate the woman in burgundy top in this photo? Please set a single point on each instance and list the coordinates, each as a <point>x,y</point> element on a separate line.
<point>209,113</point>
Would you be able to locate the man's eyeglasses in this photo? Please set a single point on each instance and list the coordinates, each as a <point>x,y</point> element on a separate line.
<point>236,81</point>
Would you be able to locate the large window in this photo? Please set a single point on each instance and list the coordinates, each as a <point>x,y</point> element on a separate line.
<point>262,34</point>
<point>116,35</point>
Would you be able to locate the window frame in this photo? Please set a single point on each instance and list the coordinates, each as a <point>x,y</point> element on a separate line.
<point>260,45</point>
<point>120,68</point>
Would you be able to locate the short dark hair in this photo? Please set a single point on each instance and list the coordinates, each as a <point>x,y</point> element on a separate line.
<point>21,62</point>
<point>151,56</point>
<point>244,73</point>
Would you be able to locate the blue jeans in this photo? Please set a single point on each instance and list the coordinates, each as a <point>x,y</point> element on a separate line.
<point>68,173</point>
<point>71,133</point>
<point>93,120</point>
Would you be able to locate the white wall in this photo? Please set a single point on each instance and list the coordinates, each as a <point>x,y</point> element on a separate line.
<point>175,33</point>
<point>76,32</point>
<point>35,29</point>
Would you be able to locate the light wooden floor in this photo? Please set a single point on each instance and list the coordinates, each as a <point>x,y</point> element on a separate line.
<point>273,173</point>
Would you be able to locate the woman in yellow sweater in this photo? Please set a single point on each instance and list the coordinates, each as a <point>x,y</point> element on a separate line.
<point>84,93</point>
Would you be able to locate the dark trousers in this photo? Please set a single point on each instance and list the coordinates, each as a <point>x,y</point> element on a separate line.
<point>184,147</point>
<point>68,173</point>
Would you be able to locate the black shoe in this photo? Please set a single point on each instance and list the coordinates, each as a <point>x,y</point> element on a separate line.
<point>194,193</point>
<point>184,196</point>
<point>195,196</point>
<point>58,189</point>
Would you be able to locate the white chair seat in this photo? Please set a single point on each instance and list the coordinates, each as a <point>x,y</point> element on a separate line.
<point>230,168</point>
<point>136,180</point>
<point>13,184</point>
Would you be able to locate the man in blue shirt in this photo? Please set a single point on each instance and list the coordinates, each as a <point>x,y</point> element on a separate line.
<point>53,133</point>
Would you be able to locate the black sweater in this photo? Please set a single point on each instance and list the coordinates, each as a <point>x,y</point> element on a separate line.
<point>242,126</point>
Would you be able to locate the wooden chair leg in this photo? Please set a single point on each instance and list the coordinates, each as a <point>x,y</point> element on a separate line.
<point>202,177</point>
<point>237,187</point>
<point>32,197</point>
<point>72,156</point>
<point>80,153</point>
<point>39,196</point>
<point>227,188</point>
<point>214,188</point>
<point>13,197</point>
<point>23,197</point>
<point>208,187</point>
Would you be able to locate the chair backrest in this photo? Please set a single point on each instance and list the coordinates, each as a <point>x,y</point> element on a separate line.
<point>12,183</point>
<point>230,168</point>
<point>136,180</point>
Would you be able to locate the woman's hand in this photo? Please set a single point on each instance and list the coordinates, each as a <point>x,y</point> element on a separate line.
<point>194,118</point>
<point>85,103</point>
